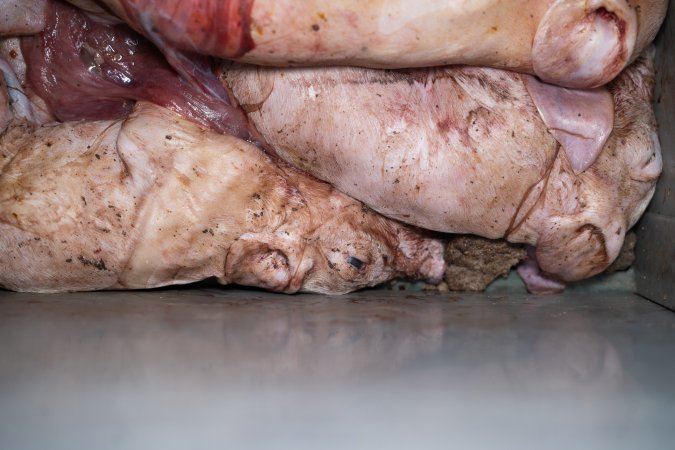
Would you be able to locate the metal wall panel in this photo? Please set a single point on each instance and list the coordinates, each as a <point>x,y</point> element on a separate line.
<point>655,265</point>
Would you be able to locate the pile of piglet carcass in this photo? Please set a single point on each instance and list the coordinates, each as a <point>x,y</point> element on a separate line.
<point>322,145</point>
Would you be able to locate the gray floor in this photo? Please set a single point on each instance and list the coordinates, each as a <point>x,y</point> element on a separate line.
<point>231,369</point>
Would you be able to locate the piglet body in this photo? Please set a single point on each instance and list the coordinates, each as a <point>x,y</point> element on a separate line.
<point>472,150</point>
<point>155,200</point>
<point>567,42</point>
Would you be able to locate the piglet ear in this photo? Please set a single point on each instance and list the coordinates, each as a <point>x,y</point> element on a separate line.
<point>580,120</point>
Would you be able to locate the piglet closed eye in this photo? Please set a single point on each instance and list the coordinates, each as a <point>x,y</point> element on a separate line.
<point>355,262</point>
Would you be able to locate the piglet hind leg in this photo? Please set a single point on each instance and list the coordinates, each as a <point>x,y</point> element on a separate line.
<point>584,43</point>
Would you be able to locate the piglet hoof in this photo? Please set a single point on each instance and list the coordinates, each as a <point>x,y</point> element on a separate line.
<point>420,259</point>
<point>535,280</point>
<point>584,44</point>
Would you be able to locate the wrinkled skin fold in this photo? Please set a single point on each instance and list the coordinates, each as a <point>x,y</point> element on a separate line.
<point>465,150</point>
<point>155,200</point>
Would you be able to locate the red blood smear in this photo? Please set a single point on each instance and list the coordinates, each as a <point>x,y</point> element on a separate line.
<point>92,71</point>
<point>219,28</point>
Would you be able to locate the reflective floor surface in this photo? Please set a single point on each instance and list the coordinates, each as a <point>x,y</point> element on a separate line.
<point>236,369</point>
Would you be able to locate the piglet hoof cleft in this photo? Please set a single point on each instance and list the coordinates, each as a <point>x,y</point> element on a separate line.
<point>584,43</point>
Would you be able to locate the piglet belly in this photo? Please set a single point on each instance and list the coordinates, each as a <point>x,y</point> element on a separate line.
<point>453,150</point>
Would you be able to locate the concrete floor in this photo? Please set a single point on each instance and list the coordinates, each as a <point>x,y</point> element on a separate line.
<point>235,369</point>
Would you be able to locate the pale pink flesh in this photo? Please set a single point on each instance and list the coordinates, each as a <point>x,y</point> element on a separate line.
<point>20,17</point>
<point>422,146</point>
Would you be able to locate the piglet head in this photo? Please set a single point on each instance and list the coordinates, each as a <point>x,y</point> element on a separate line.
<point>583,217</point>
<point>329,243</point>
<point>357,247</point>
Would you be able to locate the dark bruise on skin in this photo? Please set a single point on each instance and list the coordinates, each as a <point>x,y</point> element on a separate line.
<point>214,27</point>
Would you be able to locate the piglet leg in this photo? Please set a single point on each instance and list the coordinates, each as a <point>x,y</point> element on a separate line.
<point>584,43</point>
